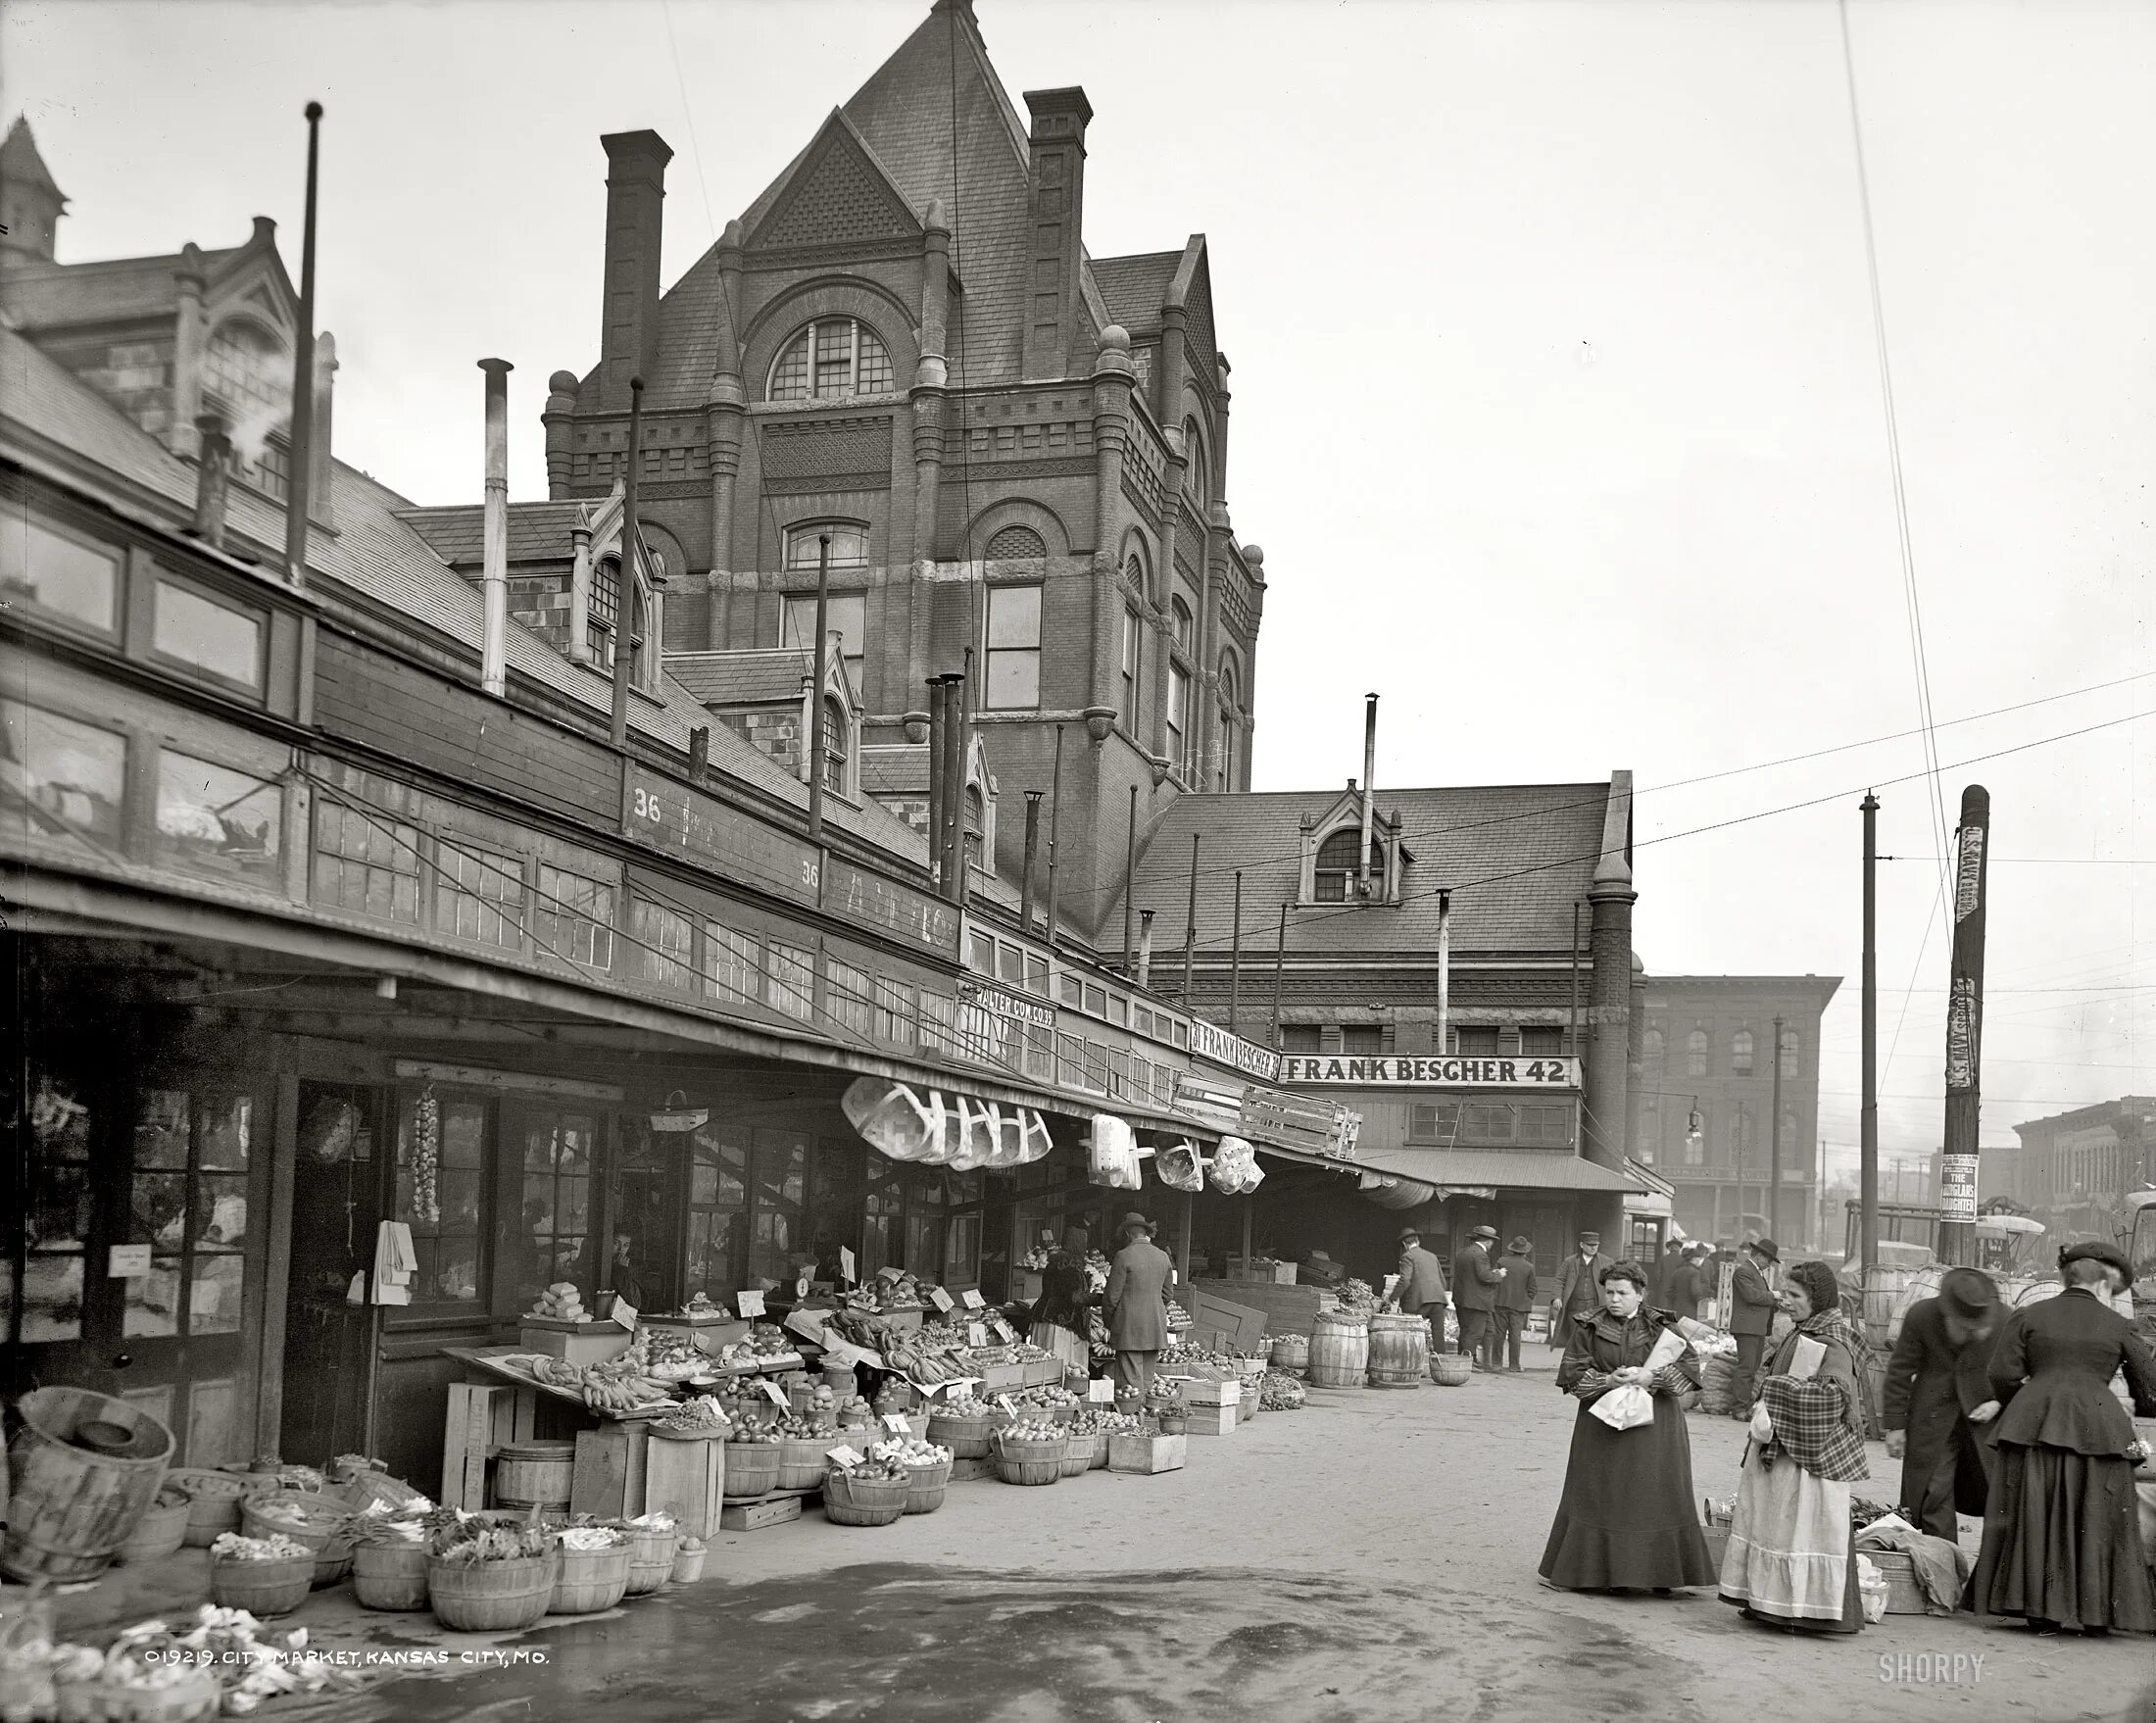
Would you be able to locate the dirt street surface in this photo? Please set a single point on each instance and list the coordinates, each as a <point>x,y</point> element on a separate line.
<point>1370,1558</point>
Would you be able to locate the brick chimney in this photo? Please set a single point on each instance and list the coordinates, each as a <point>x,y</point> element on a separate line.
<point>636,188</point>
<point>1056,172</point>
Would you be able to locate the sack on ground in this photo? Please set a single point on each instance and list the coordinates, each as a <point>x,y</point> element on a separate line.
<point>1717,1383</point>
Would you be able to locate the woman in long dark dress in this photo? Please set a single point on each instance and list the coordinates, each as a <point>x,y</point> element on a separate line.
<point>2062,1547</point>
<point>1628,1519</point>
<point>1060,1313</point>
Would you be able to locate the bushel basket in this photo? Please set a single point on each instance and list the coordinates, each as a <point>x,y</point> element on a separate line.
<point>850,1502</point>
<point>651,1558</point>
<point>925,1487</point>
<point>389,1576</point>
<point>1451,1369</point>
<point>802,1461</point>
<point>591,1579</point>
<point>262,1587</point>
<point>1028,1462</point>
<point>966,1437</point>
<point>325,1528</point>
<point>492,1597</point>
<point>215,1499</point>
<point>160,1530</point>
<point>1077,1456</point>
<point>752,1470</point>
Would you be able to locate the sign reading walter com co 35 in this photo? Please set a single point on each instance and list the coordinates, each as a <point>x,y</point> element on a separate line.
<point>1403,1071</point>
<point>1957,1187</point>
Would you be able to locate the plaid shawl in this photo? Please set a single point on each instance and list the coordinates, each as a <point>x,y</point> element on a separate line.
<point>1816,1423</point>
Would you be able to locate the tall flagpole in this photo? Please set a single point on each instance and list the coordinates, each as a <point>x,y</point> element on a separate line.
<point>303,376</point>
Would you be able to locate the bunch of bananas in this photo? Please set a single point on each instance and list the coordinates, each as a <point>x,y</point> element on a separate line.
<point>920,1361</point>
<point>612,1394</point>
<point>557,1372</point>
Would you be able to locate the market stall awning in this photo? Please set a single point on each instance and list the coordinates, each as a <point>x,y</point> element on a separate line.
<point>1514,1168</point>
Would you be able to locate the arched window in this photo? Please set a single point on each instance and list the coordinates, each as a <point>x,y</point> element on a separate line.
<point>1653,1045</point>
<point>1184,623</point>
<point>1741,1054</point>
<point>1016,543</point>
<point>849,545</point>
<point>975,833</point>
<point>829,359</point>
<point>1229,713</point>
<point>835,749</point>
<point>1197,475</point>
<point>250,374</point>
<point>1788,1052</point>
<point>1179,719</point>
<point>1337,873</point>
<point>1695,1053</point>
<point>847,613</point>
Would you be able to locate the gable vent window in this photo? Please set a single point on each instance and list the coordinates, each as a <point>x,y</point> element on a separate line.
<point>830,359</point>
<point>1016,544</point>
<point>1336,877</point>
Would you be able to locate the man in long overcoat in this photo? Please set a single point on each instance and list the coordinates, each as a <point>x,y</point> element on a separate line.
<point>1751,1317</point>
<point>1579,1287</point>
<point>1475,1282</point>
<point>1137,1300</point>
<point>1938,1398</point>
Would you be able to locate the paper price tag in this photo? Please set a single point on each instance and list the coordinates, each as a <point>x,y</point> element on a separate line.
<point>942,1299</point>
<point>1004,1401</point>
<point>972,1298</point>
<point>842,1456</point>
<point>957,1386</point>
<point>749,1304</point>
<point>624,1312</point>
<point>846,1266</point>
<point>891,1274</point>
<point>808,1324</point>
<point>897,1424</point>
<point>1004,1331</point>
<point>778,1394</point>
<point>1101,1392</point>
<point>976,1333</point>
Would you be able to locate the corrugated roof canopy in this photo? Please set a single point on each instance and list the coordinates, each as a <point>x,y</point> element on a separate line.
<point>1519,1169</point>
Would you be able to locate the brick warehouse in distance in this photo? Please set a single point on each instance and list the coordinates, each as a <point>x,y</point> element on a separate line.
<point>1016,448</point>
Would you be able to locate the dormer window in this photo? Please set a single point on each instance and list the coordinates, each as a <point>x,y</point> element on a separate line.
<point>1338,878</point>
<point>837,749</point>
<point>830,359</point>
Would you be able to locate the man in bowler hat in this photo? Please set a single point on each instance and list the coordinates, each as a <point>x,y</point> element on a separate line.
<point>1421,1289</point>
<point>1475,1283</point>
<point>1938,1398</point>
<point>1515,1297</point>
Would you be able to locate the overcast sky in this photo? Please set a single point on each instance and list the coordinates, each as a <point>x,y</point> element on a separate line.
<point>1556,404</point>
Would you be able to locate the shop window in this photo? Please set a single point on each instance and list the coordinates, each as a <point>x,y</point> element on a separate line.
<point>1546,1121</point>
<point>793,976</point>
<point>1695,1053</point>
<point>883,1221</point>
<point>778,1192</point>
<point>478,894</point>
<point>1741,1054</point>
<point>733,965</point>
<point>845,614</point>
<point>57,573</point>
<point>662,936</point>
<point>187,1201</point>
<point>647,1177</point>
<point>895,1009</point>
<point>364,863</point>
<point>56,1217</point>
<point>981,958</point>
<point>441,1159</point>
<point>551,1240</point>
<point>1012,682</point>
<point>1362,1039</point>
<point>219,639</point>
<point>830,359</point>
<point>1070,1060</point>
<point>851,998</point>
<point>1433,1122</point>
<point>1298,1037</point>
<point>924,1222</point>
<point>70,777</point>
<point>1472,1041</point>
<point>214,820</point>
<point>1039,1051</point>
<point>718,1213</point>
<point>1487,1121</point>
<point>575,916</point>
<point>1542,1043</point>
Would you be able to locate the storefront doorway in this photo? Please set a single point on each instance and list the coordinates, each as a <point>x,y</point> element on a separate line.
<point>336,1207</point>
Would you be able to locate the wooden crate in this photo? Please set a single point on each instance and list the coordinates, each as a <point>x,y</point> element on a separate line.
<point>481,1418</point>
<point>1211,1420</point>
<point>1209,1394</point>
<point>580,1343</point>
<point>688,1480</point>
<point>1287,1309</point>
<point>754,1517</point>
<point>1147,1456</point>
<point>1001,1378</point>
<point>970,1471</point>
<point>1042,1372</point>
<point>609,1477</point>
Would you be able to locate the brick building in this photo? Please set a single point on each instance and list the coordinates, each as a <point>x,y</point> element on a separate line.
<point>1019,452</point>
<point>1708,1043</point>
<point>2073,1170</point>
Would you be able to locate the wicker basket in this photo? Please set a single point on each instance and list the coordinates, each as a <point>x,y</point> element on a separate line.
<point>213,1499</point>
<point>1451,1369</point>
<point>688,1566</point>
<point>1078,1455</point>
<point>1292,1352</point>
<point>1100,1442</point>
<point>389,1576</point>
<point>651,1560</point>
<point>262,1587</point>
<point>752,1470</point>
<point>194,1695</point>
<point>325,1531</point>
<point>590,1579</point>
<point>160,1530</point>
<point>492,1597</point>
<point>849,1503</point>
<point>966,1437</point>
<point>925,1487</point>
<point>802,1461</point>
<point>1028,1462</point>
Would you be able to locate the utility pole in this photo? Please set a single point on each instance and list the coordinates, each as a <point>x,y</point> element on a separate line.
<point>1957,1177</point>
<point>816,720</point>
<point>1868,1106</point>
<point>1773,1153</point>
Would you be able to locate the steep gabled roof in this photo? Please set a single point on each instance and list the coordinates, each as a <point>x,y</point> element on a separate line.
<point>839,172</point>
<point>1515,858</point>
<point>768,675</point>
<point>538,532</point>
<point>1134,288</point>
<point>21,164</point>
<point>45,295</point>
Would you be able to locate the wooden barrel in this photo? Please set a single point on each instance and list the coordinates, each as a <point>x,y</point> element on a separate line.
<point>534,1474</point>
<point>70,1508</point>
<point>1340,1353</point>
<point>1400,1351</point>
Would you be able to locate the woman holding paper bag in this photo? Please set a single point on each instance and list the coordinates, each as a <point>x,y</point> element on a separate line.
<point>1059,1319</point>
<point>1628,1519</point>
<point>1790,1561</point>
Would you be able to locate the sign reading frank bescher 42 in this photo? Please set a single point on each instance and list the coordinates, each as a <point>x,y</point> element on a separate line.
<point>1405,1072</point>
